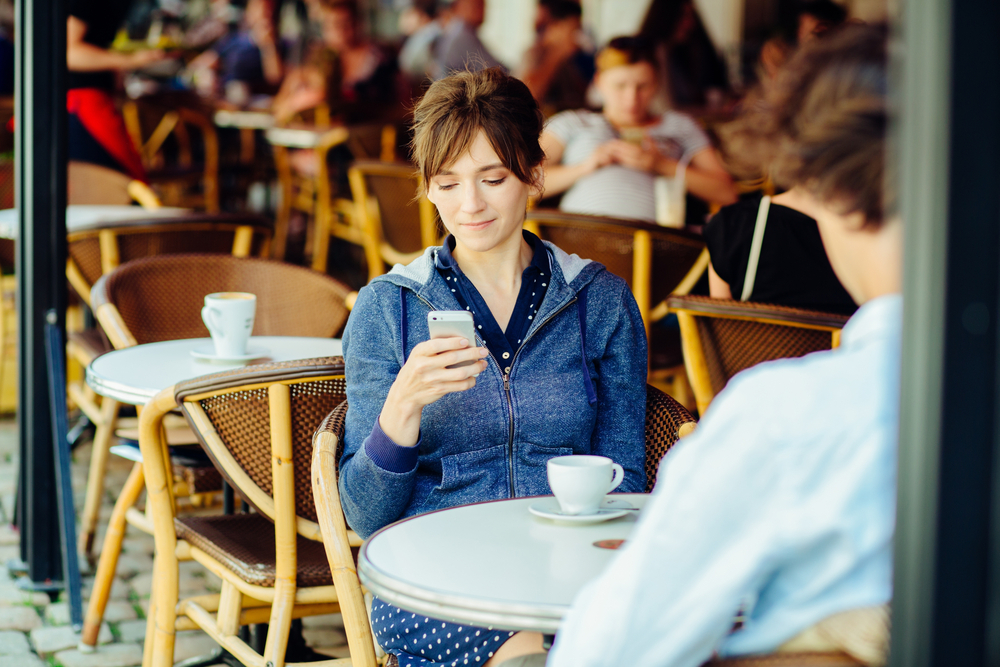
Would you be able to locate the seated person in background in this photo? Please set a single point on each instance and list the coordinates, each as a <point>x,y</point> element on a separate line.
<point>693,74</point>
<point>810,20</point>
<point>97,131</point>
<point>783,499</point>
<point>422,29</point>
<point>422,435</point>
<point>248,55</point>
<point>607,162</point>
<point>459,48</point>
<point>349,73</point>
<point>792,269</point>
<point>556,69</point>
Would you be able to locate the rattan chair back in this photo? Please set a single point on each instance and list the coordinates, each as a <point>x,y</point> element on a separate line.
<point>160,298</point>
<point>231,414</point>
<point>94,252</point>
<point>722,337</point>
<point>328,446</point>
<point>655,261</point>
<point>667,421</point>
<point>397,219</point>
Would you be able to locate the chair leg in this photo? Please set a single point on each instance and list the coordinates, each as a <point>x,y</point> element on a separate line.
<point>165,593</point>
<point>108,562</point>
<point>95,478</point>
<point>279,624</point>
<point>149,643</point>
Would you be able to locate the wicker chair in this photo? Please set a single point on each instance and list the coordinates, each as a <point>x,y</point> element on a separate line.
<point>397,219</point>
<point>160,298</point>
<point>151,124</point>
<point>667,421</point>
<point>257,424</point>
<point>328,445</point>
<point>722,337</point>
<point>95,252</point>
<point>91,184</point>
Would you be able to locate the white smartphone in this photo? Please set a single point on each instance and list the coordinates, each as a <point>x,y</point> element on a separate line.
<point>450,324</point>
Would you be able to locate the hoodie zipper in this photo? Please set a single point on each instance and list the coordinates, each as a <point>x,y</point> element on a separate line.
<point>506,383</point>
<point>510,402</point>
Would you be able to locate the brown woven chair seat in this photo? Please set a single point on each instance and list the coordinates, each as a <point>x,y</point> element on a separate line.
<point>244,543</point>
<point>91,342</point>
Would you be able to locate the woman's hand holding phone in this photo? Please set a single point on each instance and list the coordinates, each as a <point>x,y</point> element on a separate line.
<point>426,377</point>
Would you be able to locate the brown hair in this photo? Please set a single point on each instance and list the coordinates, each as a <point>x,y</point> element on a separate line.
<point>455,109</point>
<point>821,124</point>
<point>626,51</point>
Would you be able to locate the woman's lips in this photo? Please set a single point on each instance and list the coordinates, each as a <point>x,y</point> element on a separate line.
<point>476,225</point>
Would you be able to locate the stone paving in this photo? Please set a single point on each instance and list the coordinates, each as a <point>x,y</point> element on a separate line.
<point>35,631</point>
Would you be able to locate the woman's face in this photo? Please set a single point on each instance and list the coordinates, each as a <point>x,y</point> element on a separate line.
<point>627,92</point>
<point>480,201</point>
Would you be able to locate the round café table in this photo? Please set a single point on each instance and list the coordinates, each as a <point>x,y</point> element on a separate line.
<point>490,564</point>
<point>134,375</point>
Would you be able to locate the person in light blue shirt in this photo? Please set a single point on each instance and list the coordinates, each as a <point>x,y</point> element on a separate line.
<point>782,502</point>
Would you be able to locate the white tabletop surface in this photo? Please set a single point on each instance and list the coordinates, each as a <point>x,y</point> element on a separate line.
<point>242,118</point>
<point>80,217</point>
<point>136,374</point>
<point>490,563</point>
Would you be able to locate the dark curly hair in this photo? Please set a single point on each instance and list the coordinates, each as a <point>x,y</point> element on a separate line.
<point>455,109</point>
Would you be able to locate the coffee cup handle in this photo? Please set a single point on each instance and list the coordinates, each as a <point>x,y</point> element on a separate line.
<point>617,475</point>
<point>206,317</point>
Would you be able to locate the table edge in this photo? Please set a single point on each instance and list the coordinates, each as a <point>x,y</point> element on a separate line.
<point>511,616</point>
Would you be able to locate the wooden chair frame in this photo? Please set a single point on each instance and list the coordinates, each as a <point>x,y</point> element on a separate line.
<point>239,602</point>
<point>694,352</point>
<point>337,540</point>
<point>378,252</point>
<point>175,122</point>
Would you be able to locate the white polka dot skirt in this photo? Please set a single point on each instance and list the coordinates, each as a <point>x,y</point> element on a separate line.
<point>420,641</point>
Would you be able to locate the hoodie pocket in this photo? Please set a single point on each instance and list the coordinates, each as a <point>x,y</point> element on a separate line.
<point>469,477</point>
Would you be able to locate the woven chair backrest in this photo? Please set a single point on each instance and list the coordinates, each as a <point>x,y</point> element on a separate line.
<point>664,418</point>
<point>611,241</point>
<point>201,233</point>
<point>237,405</point>
<point>737,335</point>
<point>394,188</point>
<point>334,423</point>
<point>160,298</point>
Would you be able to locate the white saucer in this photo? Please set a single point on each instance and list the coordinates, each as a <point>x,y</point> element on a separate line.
<point>610,509</point>
<point>207,353</point>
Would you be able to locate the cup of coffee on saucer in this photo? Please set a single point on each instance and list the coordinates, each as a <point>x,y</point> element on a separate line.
<point>229,317</point>
<point>580,482</point>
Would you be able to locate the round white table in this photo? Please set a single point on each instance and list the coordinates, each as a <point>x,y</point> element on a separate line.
<point>136,374</point>
<point>81,217</point>
<point>490,564</point>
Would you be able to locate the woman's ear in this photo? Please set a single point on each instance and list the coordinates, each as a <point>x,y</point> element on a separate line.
<point>537,186</point>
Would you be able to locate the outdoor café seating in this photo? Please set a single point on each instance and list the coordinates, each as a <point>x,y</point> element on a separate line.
<point>153,299</point>
<point>96,251</point>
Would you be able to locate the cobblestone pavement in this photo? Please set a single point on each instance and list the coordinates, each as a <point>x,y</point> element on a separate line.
<point>35,632</point>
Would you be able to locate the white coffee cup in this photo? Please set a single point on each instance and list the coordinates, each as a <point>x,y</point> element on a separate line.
<point>229,317</point>
<point>580,482</point>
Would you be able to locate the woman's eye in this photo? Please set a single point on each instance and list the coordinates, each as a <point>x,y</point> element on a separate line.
<point>446,186</point>
<point>497,181</point>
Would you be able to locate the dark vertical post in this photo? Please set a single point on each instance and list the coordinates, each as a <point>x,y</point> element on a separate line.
<point>40,173</point>
<point>947,590</point>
